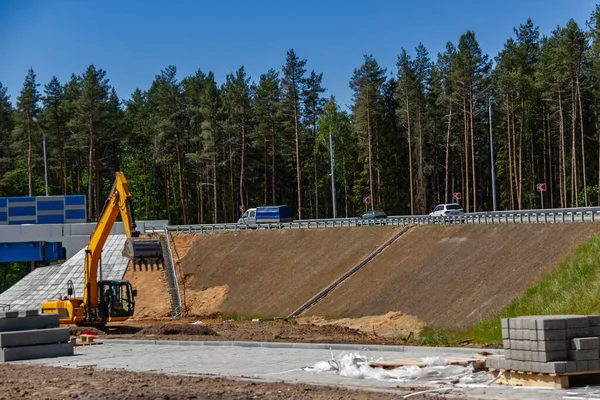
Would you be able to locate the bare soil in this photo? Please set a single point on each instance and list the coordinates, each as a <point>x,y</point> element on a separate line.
<point>452,276</point>
<point>32,381</point>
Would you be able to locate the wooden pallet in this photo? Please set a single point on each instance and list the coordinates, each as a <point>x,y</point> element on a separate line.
<point>557,381</point>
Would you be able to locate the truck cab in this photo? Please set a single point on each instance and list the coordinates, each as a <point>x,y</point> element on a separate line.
<point>248,218</point>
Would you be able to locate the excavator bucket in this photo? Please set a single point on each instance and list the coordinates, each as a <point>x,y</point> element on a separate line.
<point>142,251</point>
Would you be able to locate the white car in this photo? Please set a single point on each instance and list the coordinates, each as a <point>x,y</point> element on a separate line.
<point>447,210</point>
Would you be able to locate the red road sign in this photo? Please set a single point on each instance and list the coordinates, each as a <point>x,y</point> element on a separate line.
<point>242,208</point>
<point>456,196</point>
<point>541,187</point>
<point>366,200</point>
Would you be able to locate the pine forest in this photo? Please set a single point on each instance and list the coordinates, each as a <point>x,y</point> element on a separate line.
<point>195,150</point>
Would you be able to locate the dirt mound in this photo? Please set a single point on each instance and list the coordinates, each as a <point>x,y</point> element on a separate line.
<point>393,325</point>
<point>153,298</point>
<point>177,329</point>
<point>181,243</point>
<point>272,272</point>
<point>453,276</point>
<point>205,302</point>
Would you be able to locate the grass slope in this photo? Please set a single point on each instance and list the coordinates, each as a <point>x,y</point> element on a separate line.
<point>573,287</point>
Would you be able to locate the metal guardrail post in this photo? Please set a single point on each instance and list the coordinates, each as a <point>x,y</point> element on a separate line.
<point>572,217</point>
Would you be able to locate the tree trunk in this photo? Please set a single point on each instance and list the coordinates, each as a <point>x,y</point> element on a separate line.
<point>562,166</point>
<point>473,149</point>
<point>273,164</point>
<point>298,172</point>
<point>516,160</point>
<point>243,160</point>
<point>29,151</point>
<point>167,196</point>
<point>410,171</point>
<point>511,202</point>
<point>214,172</point>
<point>466,124</point>
<point>370,141</point>
<point>584,164</point>
<point>90,163</point>
<point>574,182</point>
<point>180,175</point>
<point>265,171</point>
<point>448,152</point>
<point>420,174</point>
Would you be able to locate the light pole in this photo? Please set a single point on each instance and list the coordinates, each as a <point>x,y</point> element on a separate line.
<point>492,156</point>
<point>44,148</point>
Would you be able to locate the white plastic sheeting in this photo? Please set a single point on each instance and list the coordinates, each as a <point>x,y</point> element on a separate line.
<point>357,366</point>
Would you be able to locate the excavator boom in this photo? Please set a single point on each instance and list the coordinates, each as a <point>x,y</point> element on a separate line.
<point>108,300</point>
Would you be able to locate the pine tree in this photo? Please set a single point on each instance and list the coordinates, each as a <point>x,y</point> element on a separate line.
<point>6,127</point>
<point>25,135</point>
<point>292,85</point>
<point>367,83</point>
<point>267,106</point>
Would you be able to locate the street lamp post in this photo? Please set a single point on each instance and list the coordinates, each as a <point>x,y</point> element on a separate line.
<point>44,148</point>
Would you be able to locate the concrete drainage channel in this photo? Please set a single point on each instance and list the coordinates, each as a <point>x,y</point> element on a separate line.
<point>26,335</point>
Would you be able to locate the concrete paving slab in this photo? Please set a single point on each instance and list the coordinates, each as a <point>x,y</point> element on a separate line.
<point>27,323</point>
<point>275,362</point>
<point>36,352</point>
<point>34,337</point>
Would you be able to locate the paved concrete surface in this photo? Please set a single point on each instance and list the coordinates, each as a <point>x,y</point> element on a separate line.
<point>49,282</point>
<point>274,362</point>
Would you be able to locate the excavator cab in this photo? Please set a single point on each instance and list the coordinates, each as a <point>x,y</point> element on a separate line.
<point>116,300</point>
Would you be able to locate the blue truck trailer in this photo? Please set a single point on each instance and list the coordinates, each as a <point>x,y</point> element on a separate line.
<point>253,217</point>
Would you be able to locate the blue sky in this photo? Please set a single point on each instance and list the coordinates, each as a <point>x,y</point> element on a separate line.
<point>134,40</point>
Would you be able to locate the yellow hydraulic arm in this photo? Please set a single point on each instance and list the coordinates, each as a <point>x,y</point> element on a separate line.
<point>116,300</point>
<point>119,201</point>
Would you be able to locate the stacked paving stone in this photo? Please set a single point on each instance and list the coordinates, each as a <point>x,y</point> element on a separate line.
<point>553,344</point>
<point>25,335</point>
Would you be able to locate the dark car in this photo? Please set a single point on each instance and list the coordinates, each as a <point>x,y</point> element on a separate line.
<point>375,214</point>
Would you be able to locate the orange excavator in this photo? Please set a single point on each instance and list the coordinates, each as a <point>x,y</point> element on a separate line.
<point>107,300</point>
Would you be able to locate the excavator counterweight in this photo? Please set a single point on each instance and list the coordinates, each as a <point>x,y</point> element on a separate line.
<point>143,251</point>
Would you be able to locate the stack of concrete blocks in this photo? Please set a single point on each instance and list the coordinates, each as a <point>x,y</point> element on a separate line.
<point>553,344</point>
<point>26,335</point>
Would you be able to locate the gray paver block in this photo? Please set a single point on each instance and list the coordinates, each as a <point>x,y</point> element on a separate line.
<point>506,343</point>
<point>37,351</point>
<point>580,355</point>
<point>594,365</point>
<point>33,337</point>
<point>594,331</point>
<point>582,366</point>
<point>574,333</point>
<point>571,366</point>
<point>577,322</point>
<point>548,322</point>
<point>504,323</point>
<point>545,356</point>
<point>9,314</point>
<point>27,323</point>
<point>29,313</point>
<point>505,334</point>
<point>552,345</point>
<point>585,343</point>
<point>594,320</point>
<point>556,334</point>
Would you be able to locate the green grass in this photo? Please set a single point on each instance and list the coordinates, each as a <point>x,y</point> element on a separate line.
<point>573,287</point>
